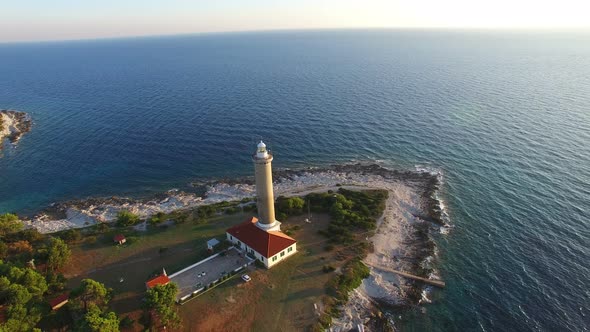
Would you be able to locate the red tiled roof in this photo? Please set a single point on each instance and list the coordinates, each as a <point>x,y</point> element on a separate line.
<point>159,280</point>
<point>59,300</point>
<point>119,237</point>
<point>267,244</point>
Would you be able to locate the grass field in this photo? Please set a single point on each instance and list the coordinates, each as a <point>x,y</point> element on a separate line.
<point>280,299</point>
<point>140,258</point>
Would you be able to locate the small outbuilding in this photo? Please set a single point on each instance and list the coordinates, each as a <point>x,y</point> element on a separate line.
<point>59,301</point>
<point>162,279</point>
<point>119,239</point>
<point>211,244</point>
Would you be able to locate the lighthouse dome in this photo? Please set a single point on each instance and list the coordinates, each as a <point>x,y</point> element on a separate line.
<point>261,151</point>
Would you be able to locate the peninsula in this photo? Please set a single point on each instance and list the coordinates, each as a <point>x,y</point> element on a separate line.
<point>13,125</point>
<point>402,205</point>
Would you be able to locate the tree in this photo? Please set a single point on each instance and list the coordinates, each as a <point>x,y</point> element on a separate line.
<point>29,279</point>
<point>126,218</point>
<point>157,218</point>
<point>34,282</point>
<point>22,247</point>
<point>58,254</point>
<point>71,235</point>
<point>21,319</point>
<point>160,300</point>
<point>18,294</point>
<point>291,205</point>
<point>9,223</point>
<point>3,250</point>
<point>92,292</point>
<point>22,290</point>
<point>98,321</point>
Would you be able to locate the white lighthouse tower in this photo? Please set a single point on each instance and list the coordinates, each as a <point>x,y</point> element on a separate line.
<point>261,237</point>
<point>265,200</point>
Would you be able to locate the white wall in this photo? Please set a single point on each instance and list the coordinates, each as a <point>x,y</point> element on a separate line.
<point>279,258</point>
<point>267,262</point>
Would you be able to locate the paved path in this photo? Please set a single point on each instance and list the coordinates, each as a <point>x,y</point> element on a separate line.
<point>437,283</point>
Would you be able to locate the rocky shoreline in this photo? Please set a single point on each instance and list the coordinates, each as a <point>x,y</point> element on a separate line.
<point>13,125</point>
<point>403,239</point>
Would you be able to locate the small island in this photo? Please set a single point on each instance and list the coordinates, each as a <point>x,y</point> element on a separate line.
<point>13,125</point>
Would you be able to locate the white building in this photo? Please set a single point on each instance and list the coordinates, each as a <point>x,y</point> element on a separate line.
<point>263,238</point>
<point>270,247</point>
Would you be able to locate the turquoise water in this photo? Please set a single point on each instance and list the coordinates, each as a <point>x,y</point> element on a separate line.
<point>504,115</point>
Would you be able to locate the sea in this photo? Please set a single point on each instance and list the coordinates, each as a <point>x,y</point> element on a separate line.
<point>504,116</point>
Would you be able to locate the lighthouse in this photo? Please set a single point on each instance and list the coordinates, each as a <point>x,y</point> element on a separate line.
<point>265,201</point>
<point>261,238</point>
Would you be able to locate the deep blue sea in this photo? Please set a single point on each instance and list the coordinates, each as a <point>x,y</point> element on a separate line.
<point>504,115</point>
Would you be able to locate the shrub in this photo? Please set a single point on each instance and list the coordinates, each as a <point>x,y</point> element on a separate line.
<point>90,239</point>
<point>157,218</point>
<point>328,268</point>
<point>71,236</point>
<point>131,239</point>
<point>231,210</point>
<point>282,216</point>
<point>290,206</point>
<point>126,322</point>
<point>329,247</point>
<point>126,218</point>
<point>102,227</point>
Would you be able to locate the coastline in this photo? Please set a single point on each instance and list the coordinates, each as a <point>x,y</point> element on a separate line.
<point>13,125</point>
<point>401,241</point>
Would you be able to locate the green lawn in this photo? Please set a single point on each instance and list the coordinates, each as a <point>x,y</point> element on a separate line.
<point>140,258</point>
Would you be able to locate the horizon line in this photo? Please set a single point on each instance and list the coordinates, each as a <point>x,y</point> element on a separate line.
<point>246,31</point>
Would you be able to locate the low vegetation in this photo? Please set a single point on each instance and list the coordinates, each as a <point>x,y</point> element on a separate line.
<point>353,213</point>
<point>30,270</point>
<point>126,218</point>
<point>9,223</point>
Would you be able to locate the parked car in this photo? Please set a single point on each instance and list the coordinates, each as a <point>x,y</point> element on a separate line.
<point>246,277</point>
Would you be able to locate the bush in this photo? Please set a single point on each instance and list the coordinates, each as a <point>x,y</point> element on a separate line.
<point>162,250</point>
<point>90,239</point>
<point>157,218</point>
<point>71,236</point>
<point>126,322</point>
<point>9,223</point>
<point>102,227</point>
<point>329,247</point>
<point>328,268</point>
<point>231,210</point>
<point>131,240</point>
<point>126,218</point>
<point>290,206</point>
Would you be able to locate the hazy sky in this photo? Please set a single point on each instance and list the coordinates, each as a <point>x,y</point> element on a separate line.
<point>23,20</point>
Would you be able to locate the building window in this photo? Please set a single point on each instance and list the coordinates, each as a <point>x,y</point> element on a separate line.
<point>282,253</point>
<point>289,249</point>
<point>239,243</point>
<point>231,237</point>
<point>274,258</point>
